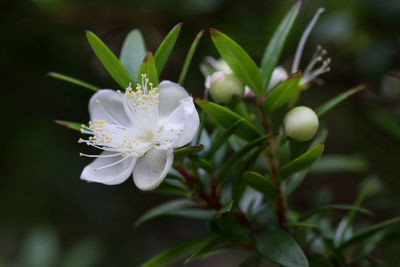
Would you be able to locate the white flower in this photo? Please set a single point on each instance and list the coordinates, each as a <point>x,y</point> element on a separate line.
<point>137,131</point>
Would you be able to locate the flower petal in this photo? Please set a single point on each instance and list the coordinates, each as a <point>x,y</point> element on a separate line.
<point>185,113</point>
<point>152,168</point>
<point>114,174</point>
<point>170,96</point>
<point>107,105</point>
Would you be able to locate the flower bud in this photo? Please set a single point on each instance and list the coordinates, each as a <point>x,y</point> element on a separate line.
<point>301,123</point>
<point>224,87</point>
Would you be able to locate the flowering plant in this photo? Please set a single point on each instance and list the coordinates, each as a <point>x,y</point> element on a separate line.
<point>237,166</point>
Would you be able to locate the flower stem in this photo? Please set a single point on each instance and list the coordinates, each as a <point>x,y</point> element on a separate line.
<point>272,154</point>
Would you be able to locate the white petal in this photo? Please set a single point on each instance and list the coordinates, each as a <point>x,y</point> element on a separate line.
<point>151,169</point>
<point>112,175</point>
<point>278,75</point>
<point>107,105</point>
<point>170,96</point>
<point>185,113</point>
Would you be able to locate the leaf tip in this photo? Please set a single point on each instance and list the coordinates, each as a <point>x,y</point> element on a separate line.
<point>60,123</point>
<point>49,74</point>
<point>179,24</point>
<point>213,31</point>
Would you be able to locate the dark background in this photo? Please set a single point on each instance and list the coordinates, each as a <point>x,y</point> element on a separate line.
<point>49,217</point>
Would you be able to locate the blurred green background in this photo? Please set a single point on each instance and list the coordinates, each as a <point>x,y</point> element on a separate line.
<point>49,217</point>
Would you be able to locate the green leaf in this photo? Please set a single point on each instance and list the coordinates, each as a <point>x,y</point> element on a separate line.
<point>194,213</point>
<point>238,60</point>
<point>232,161</point>
<point>171,188</point>
<point>189,57</point>
<point>221,138</point>
<point>261,184</point>
<point>69,124</point>
<point>238,187</point>
<point>176,252</point>
<point>164,209</point>
<point>227,118</point>
<point>109,60</point>
<point>280,248</point>
<point>148,67</point>
<point>203,249</point>
<point>202,163</point>
<point>132,53</point>
<point>302,162</point>
<point>186,151</point>
<point>290,185</point>
<point>368,232</point>
<point>326,208</point>
<point>166,46</point>
<point>226,208</point>
<point>345,225</point>
<point>72,80</point>
<point>338,99</point>
<point>339,163</point>
<point>386,121</point>
<point>281,94</point>
<point>273,50</point>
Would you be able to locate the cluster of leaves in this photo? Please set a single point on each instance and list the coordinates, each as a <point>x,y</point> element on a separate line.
<point>239,179</point>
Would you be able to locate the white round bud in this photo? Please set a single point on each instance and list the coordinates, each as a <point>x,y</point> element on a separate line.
<point>224,87</point>
<point>301,123</point>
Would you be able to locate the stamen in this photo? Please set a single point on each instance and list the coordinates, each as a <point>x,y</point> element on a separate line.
<point>303,39</point>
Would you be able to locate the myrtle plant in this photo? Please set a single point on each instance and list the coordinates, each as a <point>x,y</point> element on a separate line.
<point>232,158</point>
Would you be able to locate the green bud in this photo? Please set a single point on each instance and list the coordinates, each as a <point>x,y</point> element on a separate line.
<point>224,87</point>
<point>301,123</point>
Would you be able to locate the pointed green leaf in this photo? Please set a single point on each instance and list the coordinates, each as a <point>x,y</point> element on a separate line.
<point>280,248</point>
<point>170,187</point>
<point>109,60</point>
<point>338,99</point>
<point>203,249</point>
<point>189,57</point>
<point>386,121</point>
<point>281,94</point>
<point>275,45</point>
<point>186,151</point>
<point>132,53</point>
<point>327,208</point>
<point>232,161</point>
<point>302,162</point>
<point>238,187</point>
<point>176,252</point>
<point>226,208</point>
<point>165,48</point>
<point>221,138</point>
<point>340,234</point>
<point>72,80</point>
<point>290,185</point>
<point>164,209</point>
<point>148,67</point>
<point>238,60</point>
<point>69,124</point>
<point>368,232</point>
<point>261,184</point>
<point>339,163</point>
<point>227,118</point>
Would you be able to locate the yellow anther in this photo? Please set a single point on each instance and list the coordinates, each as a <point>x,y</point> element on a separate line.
<point>97,101</point>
